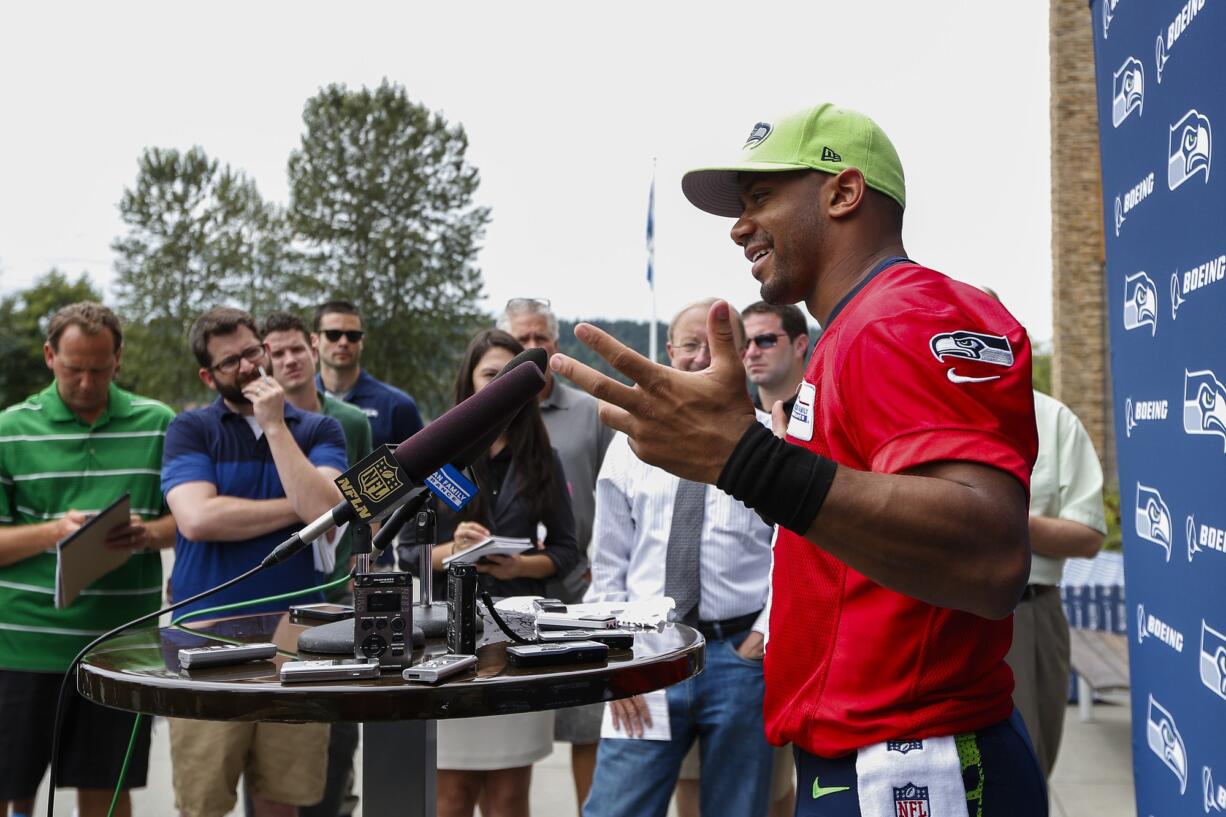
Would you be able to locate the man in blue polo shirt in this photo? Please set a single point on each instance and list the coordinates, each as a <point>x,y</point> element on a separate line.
<point>241,476</point>
<point>393,414</point>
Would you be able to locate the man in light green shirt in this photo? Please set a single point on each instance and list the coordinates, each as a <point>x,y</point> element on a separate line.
<point>293,357</point>
<point>1066,520</point>
<point>294,354</point>
<point>66,452</point>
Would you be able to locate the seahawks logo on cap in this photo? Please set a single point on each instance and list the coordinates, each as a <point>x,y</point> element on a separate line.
<point>829,155</point>
<point>994,349</point>
<point>758,135</point>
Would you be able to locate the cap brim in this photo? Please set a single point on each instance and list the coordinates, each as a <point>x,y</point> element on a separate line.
<point>715,189</point>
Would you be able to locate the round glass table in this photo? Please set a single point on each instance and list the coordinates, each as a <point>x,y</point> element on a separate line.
<point>139,672</point>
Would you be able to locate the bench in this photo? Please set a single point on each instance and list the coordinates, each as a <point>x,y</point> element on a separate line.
<point>1100,660</point>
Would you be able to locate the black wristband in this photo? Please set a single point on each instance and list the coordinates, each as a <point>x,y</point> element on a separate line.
<point>782,482</point>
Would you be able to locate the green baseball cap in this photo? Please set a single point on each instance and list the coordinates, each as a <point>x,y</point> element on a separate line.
<point>824,137</point>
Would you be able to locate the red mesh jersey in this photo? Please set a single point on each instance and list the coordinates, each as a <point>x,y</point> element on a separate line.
<point>913,368</point>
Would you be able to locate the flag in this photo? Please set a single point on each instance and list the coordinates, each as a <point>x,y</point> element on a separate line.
<point>651,234</point>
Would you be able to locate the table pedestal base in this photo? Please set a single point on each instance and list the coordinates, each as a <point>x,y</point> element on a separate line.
<point>399,764</point>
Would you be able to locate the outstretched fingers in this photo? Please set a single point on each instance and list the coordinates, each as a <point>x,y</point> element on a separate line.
<point>600,386</point>
<point>620,356</point>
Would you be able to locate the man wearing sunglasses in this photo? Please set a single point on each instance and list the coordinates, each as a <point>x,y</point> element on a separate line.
<point>776,340</point>
<point>339,336</point>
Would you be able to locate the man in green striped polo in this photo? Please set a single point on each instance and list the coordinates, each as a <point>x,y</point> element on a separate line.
<point>66,452</point>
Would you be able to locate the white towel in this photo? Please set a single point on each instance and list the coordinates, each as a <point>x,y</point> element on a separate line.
<point>911,778</point>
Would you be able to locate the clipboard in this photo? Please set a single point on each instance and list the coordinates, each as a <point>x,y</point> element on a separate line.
<point>81,558</point>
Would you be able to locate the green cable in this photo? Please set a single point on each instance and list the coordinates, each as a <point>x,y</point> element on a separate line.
<point>123,770</point>
<point>221,608</point>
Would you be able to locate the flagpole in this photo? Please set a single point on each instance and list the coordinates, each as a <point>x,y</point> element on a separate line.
<point>651,263</point>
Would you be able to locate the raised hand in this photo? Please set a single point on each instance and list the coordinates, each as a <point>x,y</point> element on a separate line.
<point>684,422</point>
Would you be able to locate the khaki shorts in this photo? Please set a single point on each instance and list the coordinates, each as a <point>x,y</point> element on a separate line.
<point>283,762</point>
<point>783,769</point>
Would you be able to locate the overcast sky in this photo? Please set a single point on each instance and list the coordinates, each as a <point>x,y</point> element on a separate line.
<point>565,105</point>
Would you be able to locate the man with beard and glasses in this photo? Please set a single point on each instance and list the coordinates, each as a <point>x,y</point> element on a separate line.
<point>899,486</point>
<point>241,476</point>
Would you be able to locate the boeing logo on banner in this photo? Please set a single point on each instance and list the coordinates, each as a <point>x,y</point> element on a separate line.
<point>1213,659</point>
<point>1190,149</point>
<point>1164,740</point>
<point>1153,518</point>
<point>1140,411</point>
<point>1154,627</point>
<point>1204,405</point>
<point>1138,193</point>
<point>1176,29</point>
<point>1140,303</point>
<point>1197,277</point>
<point>1203,537</point>
<point>1128,90</point>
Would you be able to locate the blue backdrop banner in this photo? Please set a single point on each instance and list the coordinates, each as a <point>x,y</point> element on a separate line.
<point>1161,80</point>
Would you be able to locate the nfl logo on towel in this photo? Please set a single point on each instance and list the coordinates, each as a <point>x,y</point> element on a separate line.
<point>904,746</point>
<point>911,801</point>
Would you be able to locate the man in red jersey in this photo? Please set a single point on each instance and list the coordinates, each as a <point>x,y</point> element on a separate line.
<point>900,490</point>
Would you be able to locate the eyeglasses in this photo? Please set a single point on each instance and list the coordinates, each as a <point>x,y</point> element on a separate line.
<point>765,341</point>
<point>693,347</point>
<point>516,304</point>
<point>351,335</point>
<point>252,354</point>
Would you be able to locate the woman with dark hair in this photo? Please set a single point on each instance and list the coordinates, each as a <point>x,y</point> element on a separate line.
<point>522,491</point>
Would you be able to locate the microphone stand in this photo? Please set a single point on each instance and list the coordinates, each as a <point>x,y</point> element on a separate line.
<point>431,616</point>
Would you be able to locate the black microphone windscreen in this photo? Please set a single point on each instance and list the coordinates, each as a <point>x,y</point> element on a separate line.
<point>440,442</point>
<point>469,455</point>
<point>538,356</point>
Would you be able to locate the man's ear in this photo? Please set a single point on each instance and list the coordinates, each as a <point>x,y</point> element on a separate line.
<point>49,356</point>
<point>800,345</point>
<point>845,193</point>
<point>206,377</point>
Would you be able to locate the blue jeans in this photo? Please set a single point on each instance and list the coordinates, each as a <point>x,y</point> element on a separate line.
<point>721,708</point>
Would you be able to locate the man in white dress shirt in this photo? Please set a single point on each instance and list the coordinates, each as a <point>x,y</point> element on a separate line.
<point>657,535</point>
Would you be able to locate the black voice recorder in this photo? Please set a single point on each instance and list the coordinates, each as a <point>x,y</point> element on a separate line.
<point>383,618</point>
<point>462,608</point>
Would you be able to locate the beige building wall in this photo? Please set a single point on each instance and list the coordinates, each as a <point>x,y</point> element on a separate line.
<point>1080,365</point>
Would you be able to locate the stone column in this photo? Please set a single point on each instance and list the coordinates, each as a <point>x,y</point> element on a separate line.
<point>1080,364</point>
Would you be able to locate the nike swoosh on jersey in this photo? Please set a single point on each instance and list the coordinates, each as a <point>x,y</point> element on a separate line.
<point>957,378</point>
<point>820,791</point>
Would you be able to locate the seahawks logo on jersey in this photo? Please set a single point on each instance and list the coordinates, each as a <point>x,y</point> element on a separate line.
<point>994,349</point>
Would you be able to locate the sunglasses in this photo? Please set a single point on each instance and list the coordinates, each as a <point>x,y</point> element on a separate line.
<point>765,341</point>
<point>516,304</point>
<point>351,335</point>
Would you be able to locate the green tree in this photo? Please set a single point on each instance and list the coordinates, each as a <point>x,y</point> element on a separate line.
<point>381,197</point>
<point>199,235</point>
<point>23,328</point>
<point>1041,371</point>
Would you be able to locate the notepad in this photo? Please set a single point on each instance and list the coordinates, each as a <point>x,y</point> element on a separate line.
<point>81,558</point>
<point>657,709</point>
<point>491,546</point>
